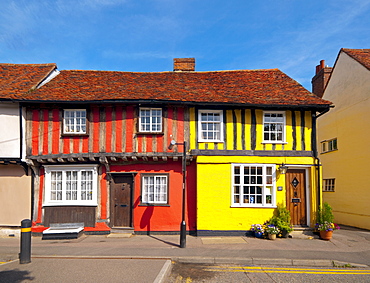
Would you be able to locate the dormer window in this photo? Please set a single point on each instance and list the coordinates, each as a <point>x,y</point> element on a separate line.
<point>150,120</point>
<point>74,121</point>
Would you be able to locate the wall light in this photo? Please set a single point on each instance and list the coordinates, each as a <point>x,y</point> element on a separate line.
<point>283,168</point>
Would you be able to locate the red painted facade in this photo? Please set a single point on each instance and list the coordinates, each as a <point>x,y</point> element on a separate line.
<point>113,142</point>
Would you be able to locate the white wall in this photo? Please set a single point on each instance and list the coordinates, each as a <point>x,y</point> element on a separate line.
<point>9,130</point>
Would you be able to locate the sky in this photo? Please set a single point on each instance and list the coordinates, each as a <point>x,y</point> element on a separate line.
<point>145,35</point>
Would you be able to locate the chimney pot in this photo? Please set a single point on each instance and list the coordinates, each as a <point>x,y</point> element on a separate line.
<point>184,64</point>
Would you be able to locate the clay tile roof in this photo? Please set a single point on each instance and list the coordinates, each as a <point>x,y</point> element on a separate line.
<point>256,87</point>
<point>18,79</point>
<point>360,55</point>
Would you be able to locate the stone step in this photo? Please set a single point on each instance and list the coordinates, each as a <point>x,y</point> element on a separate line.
<point>303,234</point>
<point>121,232</point>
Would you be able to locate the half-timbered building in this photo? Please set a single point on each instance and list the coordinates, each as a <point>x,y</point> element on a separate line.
<point>98,142</point>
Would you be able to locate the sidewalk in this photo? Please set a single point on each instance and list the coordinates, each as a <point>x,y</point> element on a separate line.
<point>349,245</point>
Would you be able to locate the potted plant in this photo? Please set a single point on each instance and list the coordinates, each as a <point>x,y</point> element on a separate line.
<point>325,222</point>
<point>258,230</point>
<point>281,219</point>
<point>272,231</point>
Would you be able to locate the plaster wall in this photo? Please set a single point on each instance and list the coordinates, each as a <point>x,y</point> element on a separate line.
<point>9,130</point>
<point>214,185</point>
<point>349,90</point>
<point>15,195</point>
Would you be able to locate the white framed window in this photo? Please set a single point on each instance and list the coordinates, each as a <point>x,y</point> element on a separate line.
<point>253,185</point>
<point>274,127</point>
<point>154,188</point>
<point>71,185</point>
<point>329,185</point>
<point>210,125</point>
<point>74,121</point>
<point>329,145</point>
<point>150,120</point>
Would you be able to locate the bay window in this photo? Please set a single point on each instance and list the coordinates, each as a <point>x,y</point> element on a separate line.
<point>71,185</point>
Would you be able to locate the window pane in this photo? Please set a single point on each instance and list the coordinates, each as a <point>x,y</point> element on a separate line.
<point>154,189</point>
<point>74,121</point>
<point>256,182</point>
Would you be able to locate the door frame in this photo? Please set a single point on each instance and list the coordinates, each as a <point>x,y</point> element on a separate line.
<point>132,195</point>
<point>307,188</point>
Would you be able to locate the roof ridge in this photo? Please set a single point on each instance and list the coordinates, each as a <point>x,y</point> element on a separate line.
<point>40,64</point>
<point>170,72</point>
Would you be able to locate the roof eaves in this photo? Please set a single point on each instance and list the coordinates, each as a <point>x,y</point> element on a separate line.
<point>349,53</point>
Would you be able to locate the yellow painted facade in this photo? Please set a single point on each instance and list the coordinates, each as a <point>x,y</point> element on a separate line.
<point>215,211</point>
<point>347,122</point>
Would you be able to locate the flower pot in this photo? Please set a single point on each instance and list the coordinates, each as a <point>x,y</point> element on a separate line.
<point>258,234</point>
<point>272,236</point>
<point>284,234</point>
<point>326,235</point>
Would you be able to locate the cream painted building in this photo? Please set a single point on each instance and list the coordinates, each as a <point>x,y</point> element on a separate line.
<point>343,136</point>
<point>15,174</point>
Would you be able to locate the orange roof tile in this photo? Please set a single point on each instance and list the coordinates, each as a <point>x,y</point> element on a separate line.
<point>18,79</point>
<point>360,55</point>
<point>248,87</point>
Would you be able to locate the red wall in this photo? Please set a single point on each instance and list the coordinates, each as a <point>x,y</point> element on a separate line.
<point>111,129</point>
<point>163,218</point>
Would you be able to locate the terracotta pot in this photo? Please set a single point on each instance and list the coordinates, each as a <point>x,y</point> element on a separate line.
<point>272,236</point>
<point>326,235</point>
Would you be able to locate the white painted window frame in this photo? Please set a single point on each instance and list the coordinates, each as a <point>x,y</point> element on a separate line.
<point>200,123</point>
<point>329,185</point>
<point>151,122</point>
<point>283,141</point>
<point>264,184</point>
<point>75,124</point>
<point>328,145</point>
<point>78,168</point>
<point>158,189</point>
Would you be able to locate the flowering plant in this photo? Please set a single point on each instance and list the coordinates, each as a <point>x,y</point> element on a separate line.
<point>257,228</point>
<point>272,229</point>
<point>327,226</point>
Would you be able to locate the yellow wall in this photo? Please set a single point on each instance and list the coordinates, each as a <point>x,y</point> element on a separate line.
<point>214,211</point>
<point>348,89</point>
<point>230,135</point>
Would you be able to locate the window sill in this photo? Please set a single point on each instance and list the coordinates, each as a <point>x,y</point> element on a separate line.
<point>324,152</point>
<point>69,204</point>
<point>210,141</point>
<point>154,204</point>
<point>275,142</point>
<point>75,135</point>
<point>252,206</point>
<point>150,133</point>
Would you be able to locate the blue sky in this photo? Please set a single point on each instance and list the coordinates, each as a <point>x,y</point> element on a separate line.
<point>145,35</point>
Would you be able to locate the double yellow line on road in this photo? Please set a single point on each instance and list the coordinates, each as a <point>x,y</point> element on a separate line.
<point>287,270</point>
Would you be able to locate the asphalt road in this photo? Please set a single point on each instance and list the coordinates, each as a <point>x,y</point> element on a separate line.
<point>82,270</point>
<point>235,273</point>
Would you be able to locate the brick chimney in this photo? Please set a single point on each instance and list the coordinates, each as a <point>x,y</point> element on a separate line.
<point>321,78</point>
<point>184,64</point>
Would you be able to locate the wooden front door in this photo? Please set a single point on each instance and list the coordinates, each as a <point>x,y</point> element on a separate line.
<point>121,200</point>
<point>296,195</point>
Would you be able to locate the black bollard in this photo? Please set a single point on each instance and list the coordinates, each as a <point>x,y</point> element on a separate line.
<point>25,254</point>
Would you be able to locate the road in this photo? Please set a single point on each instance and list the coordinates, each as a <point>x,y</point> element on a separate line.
<point>182,272</point>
